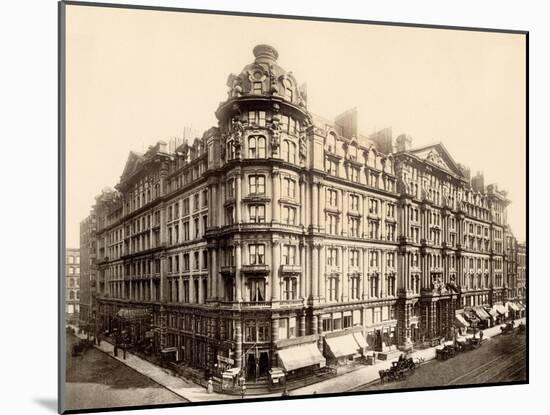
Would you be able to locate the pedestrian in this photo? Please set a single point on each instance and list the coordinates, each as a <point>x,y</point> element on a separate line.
<point>210,386</point>
<point>480,336</point>
<point>285,392</point>
<point>243,390</point>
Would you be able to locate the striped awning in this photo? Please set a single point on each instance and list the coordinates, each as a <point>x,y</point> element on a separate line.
<point>300,356</point>
<point>342,346</point>
<point>460,321</point>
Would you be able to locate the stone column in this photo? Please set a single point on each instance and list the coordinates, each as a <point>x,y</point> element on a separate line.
<point>238,198</point>
<point>345,277</point>
<point>314,324</point>
<point>274,338</point>
<point>383,274</point>
<point>364,279</point>
<point>275,281</point>
<point>238,266</point>
<point>220,202</point>
<point>363,211</point>
<point>213,207</point>
<point>321,206</point>
<point>201,290</point>
<point>314,271</point>
<point>276,190</point>
<point>315,209</point>
<point>215,274</point>
<point>303,274</point>
<point>302,329</point>
<point>238,343</point>
<point>344,205</point>
<point>322,276</point>
<point>303,204</point>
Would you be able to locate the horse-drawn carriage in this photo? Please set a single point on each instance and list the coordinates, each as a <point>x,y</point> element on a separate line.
<point>399,369</point>
<point>445,352</point>
<point>521,328</point>
<point>508,328</point>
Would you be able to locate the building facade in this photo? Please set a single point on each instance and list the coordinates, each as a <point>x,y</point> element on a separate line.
<point>279,229</point>
<point>522,272</point>
<point>72,285</point>
<point>88,253</point>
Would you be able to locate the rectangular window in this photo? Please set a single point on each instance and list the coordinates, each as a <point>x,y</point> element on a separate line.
<point>327,325</point>
<point>256,184</point>
<point>289,288</point>
<point>354,202</point>
<point>256,213</point>
<point>257,88</point>
<point>256,254</point>
<point>257,289</point>
<point>332,198</point>
<point>289,188</point>
<point>331,224</point>
<point>332,256</point>
<point>289,215</point>
<point>289,255</point>
<point>230,188</point>
<point>354,227</point>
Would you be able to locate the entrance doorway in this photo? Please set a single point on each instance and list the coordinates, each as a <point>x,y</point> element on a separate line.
<point>264,363</point>
<point>251,367</point>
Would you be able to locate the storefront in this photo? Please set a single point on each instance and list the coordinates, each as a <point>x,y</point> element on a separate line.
<point>300,359</point>
<point>484,317</point>
<point>461,324</point>
<point>341,349</point>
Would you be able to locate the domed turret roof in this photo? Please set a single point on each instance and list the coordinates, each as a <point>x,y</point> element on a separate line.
<point>264,77</point>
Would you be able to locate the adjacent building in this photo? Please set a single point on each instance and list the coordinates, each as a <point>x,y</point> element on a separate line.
<point>281,237</point>
<point>88,253</point>
<point>72,285</point>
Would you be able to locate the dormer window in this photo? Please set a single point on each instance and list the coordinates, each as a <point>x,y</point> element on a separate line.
<point>289,94</point>
<point>257,88</point>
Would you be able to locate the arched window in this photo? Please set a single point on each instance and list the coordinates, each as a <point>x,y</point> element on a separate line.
<point>71,295</point>
<point>252,146</point>
<point>256,146</point>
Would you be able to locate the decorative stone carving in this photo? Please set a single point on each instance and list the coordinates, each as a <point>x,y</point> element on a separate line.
<point>302,144</point>
<point>238,130</point>
<point>275,129</point>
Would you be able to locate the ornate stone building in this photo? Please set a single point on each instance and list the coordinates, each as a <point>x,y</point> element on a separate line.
<point>72,284</point>
<point>88,253</point>
<point>280,233</point>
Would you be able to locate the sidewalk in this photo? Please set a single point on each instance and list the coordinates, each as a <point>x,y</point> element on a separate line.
<point>369,374</point>
<point>192,392</point>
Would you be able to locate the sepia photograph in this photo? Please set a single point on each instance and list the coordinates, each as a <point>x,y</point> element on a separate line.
<point>267,207</point>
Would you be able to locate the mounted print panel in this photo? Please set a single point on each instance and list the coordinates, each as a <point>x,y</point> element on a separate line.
<point>270,207</point>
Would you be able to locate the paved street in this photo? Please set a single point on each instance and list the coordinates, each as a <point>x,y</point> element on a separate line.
<point>500,359</point>
<point>97,380</point>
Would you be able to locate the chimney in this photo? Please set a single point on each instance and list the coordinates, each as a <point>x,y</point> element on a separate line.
<point>403,143</point>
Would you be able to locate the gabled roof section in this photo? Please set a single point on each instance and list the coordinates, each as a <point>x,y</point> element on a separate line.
<point>437,155</point>
<point>131,165</point>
